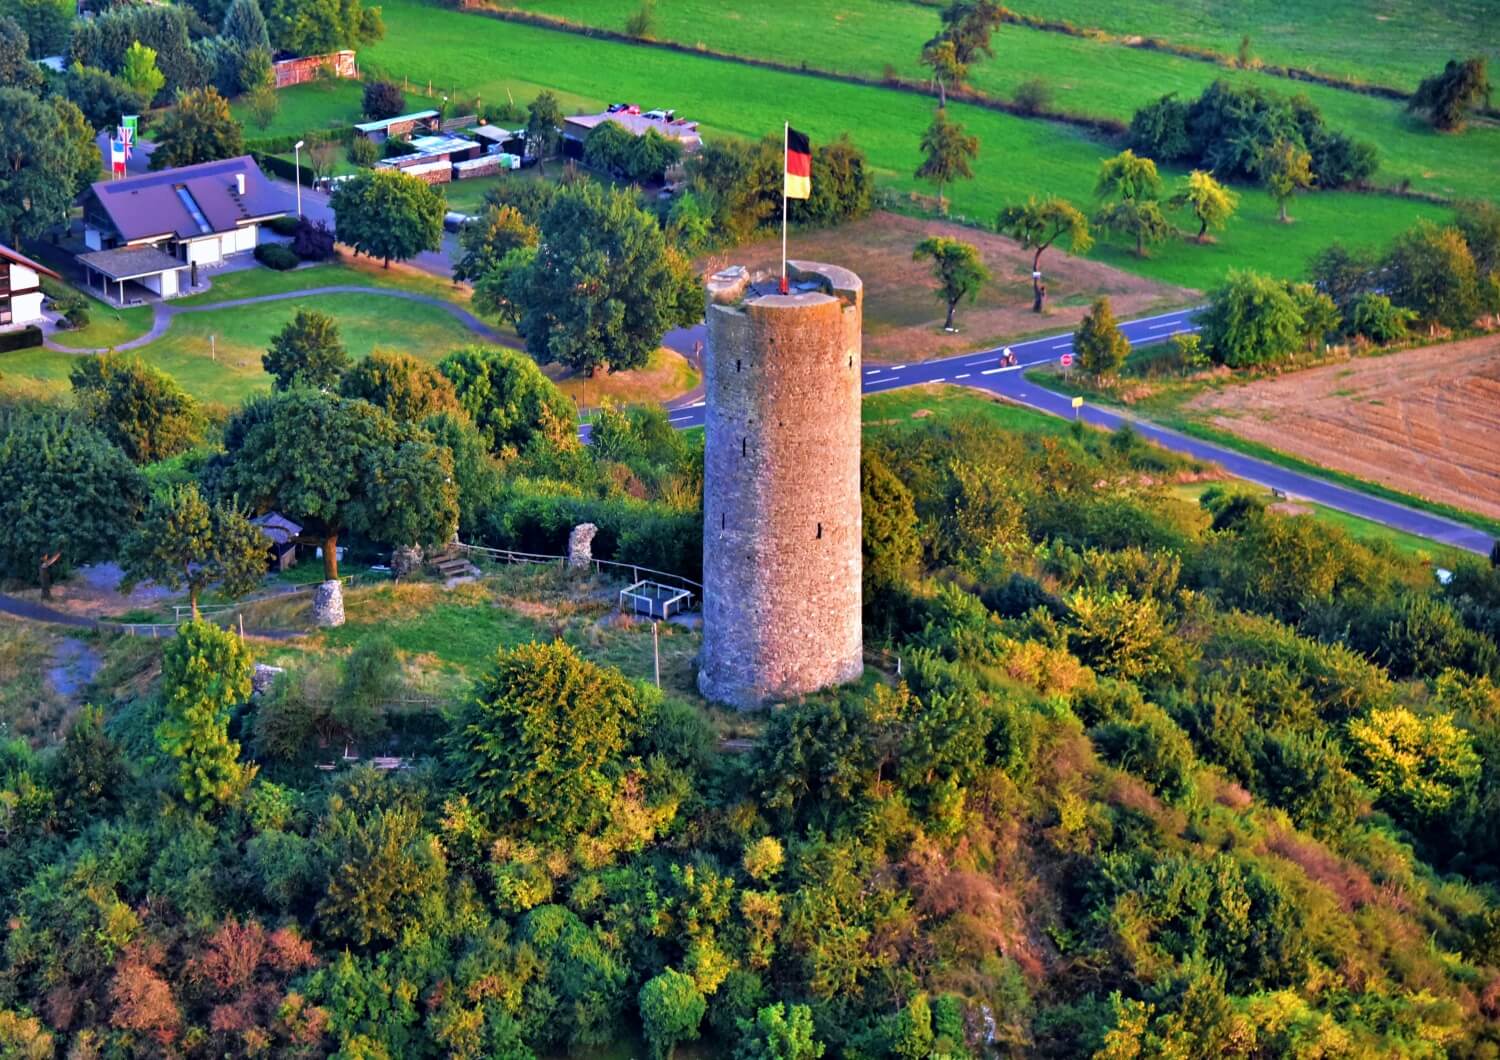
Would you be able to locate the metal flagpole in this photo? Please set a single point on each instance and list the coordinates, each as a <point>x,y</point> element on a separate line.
<point>785,133</point>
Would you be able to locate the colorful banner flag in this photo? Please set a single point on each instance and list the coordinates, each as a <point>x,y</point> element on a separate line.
<point>126,136</point>
<point>116,158</point>
<point>131,122</point>
<point>798,165</point>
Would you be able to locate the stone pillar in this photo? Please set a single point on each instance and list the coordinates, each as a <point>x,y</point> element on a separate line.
<point>263,678</point>
<point>328,604</point>
<point>581,546</point>
<point>781,503</point>
<point>406,559</point>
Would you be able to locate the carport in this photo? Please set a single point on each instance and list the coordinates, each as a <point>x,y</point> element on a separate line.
<point>153,270</point>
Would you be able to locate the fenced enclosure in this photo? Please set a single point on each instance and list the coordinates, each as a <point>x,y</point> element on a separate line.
<point>654,599</point>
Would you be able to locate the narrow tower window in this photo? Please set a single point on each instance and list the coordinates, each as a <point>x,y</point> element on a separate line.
<point>820,531</point>
<point>744,447</point>
<point>736,366</point>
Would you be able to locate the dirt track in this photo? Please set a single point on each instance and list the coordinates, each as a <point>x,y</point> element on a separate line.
<point>1425,421</point>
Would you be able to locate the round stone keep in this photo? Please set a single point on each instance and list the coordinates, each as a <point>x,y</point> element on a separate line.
<point>781,507</point>
<point>328,604</point>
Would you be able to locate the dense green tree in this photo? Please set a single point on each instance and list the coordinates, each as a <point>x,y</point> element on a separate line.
<point>486,242</point>
<point>313,27</point>
<point>541,746</point>
<point>1320,316</point>
<point>1479,221</point>
<point>1378,319</point>
<point>46,24</point>
<point>1099,343</point>
<point>90,769</point>
<point>607,149</point>
<point>1038,224</point>
<point>16,68</point>
<point>1419,766</point>
<point>1211,202</point>
<point>1343,274</point>
<point>307,351</point>
<point>947,151</point>
<point>508,398</point>
<point>335,464</point>
<point>1251,320</point>
<point>1430,271</point>
<point>199,128</point>
<point>140,409</point>
<point>383,99</point>
<point>140,73</point>
<point>388,215</point>
<point>958,269</point>
<point>103,41</point>
<point>205,674</point>
<point>1286,168</point>
<point>245,26</point>
<point>382,869</point>
<point>889,538</point>
<point>779,1032</point>
<point>969,24</point>
<point>102,97</point>
<point>842,185</point>
<point>47,156</point>
<point>671,1008</point>
<point>544,119</point>
<point>65,489</point>
<point>501,290</point>
<point>183,541</point>
<point>1447,97</point>
<point>604,286</point>
<point>405,388</point>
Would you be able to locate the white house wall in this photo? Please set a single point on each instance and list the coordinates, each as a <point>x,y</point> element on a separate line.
<point>92,239</point>
<point>26,308</point>
<point>21,277</point>
<point>205,251</point>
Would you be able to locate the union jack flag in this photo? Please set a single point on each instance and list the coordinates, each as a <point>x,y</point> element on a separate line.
<point>127,139</point>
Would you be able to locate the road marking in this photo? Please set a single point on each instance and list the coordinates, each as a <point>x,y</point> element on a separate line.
<point>871,371</point>
<point>976,364</point>
<point>1063,345</point>
<point>1168,324</point>
<point>939,379</point>
<point>962,375</point>
<point>880,382</point>
<point>897,367</point>
<point>697,404</point>
<point>992,371</point>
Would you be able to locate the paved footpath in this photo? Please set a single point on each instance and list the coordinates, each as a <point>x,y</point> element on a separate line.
<point>983,371</point>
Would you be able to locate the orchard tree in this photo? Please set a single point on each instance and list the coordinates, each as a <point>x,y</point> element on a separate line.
<point>335,464</point>
<point>47,157</point>
<point>485,242</point>
<point>406,389</point>
<point>947,152</point>
<point>1286,167</point>
<point>958,269</point>
<point>604,286</point>
<point>541,745</point>
<point>182,540</point>
<point>388,215</point>
<point>544,119</point>
<point>1099,343</point>
<point>1211,202</point>
<point>140,73</point>
<point>140,408</point>
<point>1250,320</point>
<point>1431,271</point>
<point>67,493</point>
<point>940,55</point>
<point>1446,98</point>
<point>198,129</point>
<point>205,675</point>
<point>968,24</point>
<point>671,1007</point>
<point>1132,181</point>
<point>508,399</point>
<point>306,352</point>
<point>1036,226</point>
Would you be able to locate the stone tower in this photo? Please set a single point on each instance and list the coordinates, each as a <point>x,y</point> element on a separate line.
<point>781,509</point>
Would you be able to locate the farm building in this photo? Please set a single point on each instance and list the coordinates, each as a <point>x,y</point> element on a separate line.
<point>281,538</point>
<point>20,288</point>
<point>433,158</point>
<point>150,230</point>
<point>418,122</point>
<point>576,129</point>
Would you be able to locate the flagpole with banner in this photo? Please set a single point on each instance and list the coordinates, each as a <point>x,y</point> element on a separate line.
<point>796,180</point>
<point>786,130</point>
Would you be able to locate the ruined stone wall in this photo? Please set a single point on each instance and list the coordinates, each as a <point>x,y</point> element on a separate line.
<point>781,509</point>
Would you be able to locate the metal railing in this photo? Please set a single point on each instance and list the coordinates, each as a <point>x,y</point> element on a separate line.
<point>637,572</point>
<point>227,615</point>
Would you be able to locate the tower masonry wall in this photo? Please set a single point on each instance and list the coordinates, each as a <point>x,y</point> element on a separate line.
<point>781,505</point>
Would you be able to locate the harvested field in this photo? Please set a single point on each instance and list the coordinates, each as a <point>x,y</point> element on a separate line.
<point>903,314</point>
<point>1426,421</point>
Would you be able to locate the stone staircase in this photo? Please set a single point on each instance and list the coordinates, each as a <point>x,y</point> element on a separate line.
<point>450,563</point>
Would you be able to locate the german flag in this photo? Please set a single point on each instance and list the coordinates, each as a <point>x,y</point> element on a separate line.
<point>798,165</point>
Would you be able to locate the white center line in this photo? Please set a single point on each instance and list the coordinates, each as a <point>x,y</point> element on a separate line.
<point>1157,327</point>
<point>975,364</point>
<point>962,375</point>
<point>939,379</point>
<point>881,382</point>
<point>897,367</point>
<point>871,371</point>
<point>1063,345</point>
<point>991,371</point>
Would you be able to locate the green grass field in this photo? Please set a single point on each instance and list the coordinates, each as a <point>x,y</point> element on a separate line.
<point>1018,157</point>
<point>332,104</point>
<point>216,356</point>
<point>107,327</point>
<point>248,283</point>
<point>1086,76</point>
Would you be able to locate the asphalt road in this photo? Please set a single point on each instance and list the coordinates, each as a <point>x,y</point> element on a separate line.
<point>983,371</point>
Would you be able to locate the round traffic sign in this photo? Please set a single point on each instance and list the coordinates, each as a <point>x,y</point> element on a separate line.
<point>1067,360</point>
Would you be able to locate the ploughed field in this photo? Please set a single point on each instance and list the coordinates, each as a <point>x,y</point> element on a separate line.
<point>1424,421</point>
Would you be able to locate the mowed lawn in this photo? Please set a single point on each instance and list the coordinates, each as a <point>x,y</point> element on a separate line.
<point>474,54</point>
<point>216,356</point>
<point>867,37</point>
<point>331,104</point>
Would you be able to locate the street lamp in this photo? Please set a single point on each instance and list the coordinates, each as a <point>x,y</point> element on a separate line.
<point>297,168</point>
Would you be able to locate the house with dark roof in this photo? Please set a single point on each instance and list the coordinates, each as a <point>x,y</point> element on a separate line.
<point>156,230</point>
<point>20,288</point>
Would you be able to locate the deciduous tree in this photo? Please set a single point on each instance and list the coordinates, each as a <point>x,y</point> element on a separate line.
<point>1211,202</point>
<point>779,1032</point>
<point>671,1008</point>
<point>182,540</point>
<point>1286,168</point>
<point>1431,271</point>
<point>604,286</point>
<point>940,55</point>
<point>141,409</point>
<point>383,99</point>
<point>388,215</point>
<point>306,352</point>
<point>1099,343</point>
<point>508,398</point>
<point>1134,182</point>
<point>958,269</point>
<point>205,674</point>
<point>1250,320</point>
<point>140,73</point>
<point>407,389</point>
<point>313,27</point>
<point>889,540</point>
<point>486,241</point>
<point>947,151</point>
<point>199,128</point>
<point>16,68</point>
<point>1036,226</point>
<point>1446,98</point>
<point>47,155</point>
<point>544,120</point>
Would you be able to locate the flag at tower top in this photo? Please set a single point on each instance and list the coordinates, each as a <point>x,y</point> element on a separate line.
<point>798,165</point>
